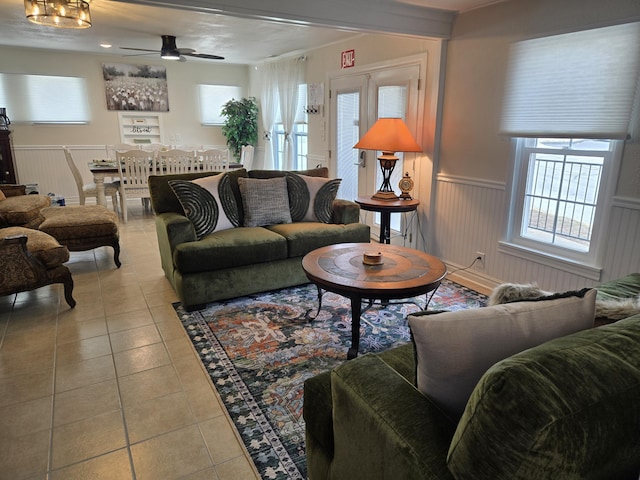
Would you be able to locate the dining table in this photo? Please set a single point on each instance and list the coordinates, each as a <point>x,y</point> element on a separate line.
<point>102,169</point>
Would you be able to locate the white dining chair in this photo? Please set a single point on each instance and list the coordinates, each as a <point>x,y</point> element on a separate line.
<point>246,156</point>
<point>90,189</point>
<point>118,147</point>
<point>175,161</point>
<point>135,166</point>
<point>213,160</point>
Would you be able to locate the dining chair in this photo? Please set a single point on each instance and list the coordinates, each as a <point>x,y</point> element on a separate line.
<point>213,160</point>
<point>175,161</point>
<point>121,147</point>
<point>246,156</point>
<point>135,166</point>
<point>89,190</point>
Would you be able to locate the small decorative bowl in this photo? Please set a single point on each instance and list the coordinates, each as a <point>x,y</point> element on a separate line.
<point>372,258</point>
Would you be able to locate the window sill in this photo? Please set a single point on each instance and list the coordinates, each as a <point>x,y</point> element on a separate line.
<point>575,267</point>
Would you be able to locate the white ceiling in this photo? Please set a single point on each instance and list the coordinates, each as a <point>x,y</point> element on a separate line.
<point>239,40</point>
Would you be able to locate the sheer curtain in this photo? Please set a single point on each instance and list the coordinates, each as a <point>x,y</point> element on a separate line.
<point>290,75</point>
<point>269,104</point>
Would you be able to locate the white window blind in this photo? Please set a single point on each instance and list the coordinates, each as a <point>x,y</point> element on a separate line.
<point>44,98</point>
<point>580,84</point>
<point>212,98</point>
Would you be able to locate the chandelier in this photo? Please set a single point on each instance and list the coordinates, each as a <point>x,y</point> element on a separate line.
<point>58,13</point>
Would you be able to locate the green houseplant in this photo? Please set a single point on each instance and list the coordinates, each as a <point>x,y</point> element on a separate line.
<point>241,124</point>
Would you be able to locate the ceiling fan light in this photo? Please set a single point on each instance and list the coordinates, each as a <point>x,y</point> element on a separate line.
<point>58,13</point>
<point>170,54</point>
<point>169,50</point>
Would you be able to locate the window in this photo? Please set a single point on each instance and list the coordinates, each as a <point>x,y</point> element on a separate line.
<point>562,184</point>
<point>300,147</point>
<point>568,104</point>
<point>298,136</point>
<point>44,99</point>
<point>212,98</point>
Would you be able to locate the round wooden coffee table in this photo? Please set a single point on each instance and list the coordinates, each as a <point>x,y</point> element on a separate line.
<point>340,269</point>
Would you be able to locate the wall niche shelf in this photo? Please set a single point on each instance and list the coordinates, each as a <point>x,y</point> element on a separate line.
<point>140,128</point>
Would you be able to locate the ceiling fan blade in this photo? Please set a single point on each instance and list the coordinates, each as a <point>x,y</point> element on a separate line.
<point>140,49</point>
<point>204,55</point>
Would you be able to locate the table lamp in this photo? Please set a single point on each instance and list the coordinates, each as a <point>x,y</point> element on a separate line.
<point>389,135</point>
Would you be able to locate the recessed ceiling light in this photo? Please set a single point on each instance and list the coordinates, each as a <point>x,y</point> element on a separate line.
<point>105,45</point>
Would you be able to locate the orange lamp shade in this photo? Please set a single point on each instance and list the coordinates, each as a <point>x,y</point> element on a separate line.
<point>389,135</point>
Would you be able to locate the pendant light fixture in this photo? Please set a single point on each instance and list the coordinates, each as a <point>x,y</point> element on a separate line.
<point>58,13</point>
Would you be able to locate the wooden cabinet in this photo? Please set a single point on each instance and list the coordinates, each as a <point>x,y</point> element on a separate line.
<point>7,168</point>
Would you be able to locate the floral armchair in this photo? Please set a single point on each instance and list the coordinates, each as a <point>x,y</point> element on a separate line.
<point>31,259</point>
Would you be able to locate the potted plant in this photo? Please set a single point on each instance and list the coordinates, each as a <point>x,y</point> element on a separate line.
<point>241,124</point>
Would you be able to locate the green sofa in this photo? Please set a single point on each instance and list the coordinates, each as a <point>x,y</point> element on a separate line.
<point>566,409</point>
<point>242,260</point>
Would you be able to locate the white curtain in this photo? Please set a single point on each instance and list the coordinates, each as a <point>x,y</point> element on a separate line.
<point>269,108</point>
<point>290,75</point>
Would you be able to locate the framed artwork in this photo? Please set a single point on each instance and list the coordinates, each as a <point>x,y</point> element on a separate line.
<point>141,88</point>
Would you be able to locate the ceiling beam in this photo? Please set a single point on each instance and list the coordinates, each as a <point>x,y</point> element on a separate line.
<point>379,16</point>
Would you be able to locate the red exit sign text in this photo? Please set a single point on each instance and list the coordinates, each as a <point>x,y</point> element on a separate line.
<point>348,58</point>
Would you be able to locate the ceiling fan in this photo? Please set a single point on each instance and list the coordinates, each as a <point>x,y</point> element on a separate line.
<point>170,51</point>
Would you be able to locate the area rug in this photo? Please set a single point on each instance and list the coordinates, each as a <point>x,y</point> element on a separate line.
<point>260,349</point>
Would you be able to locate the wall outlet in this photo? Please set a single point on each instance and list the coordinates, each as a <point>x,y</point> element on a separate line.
<point>479,259</point>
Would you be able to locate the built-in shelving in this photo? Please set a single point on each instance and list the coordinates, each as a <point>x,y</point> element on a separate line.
<point>139,128</point>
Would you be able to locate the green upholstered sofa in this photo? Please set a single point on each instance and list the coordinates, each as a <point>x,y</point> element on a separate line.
<point>566,409</point>
<point>242,260</point>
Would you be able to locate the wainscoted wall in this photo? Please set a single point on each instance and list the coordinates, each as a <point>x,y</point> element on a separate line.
<point>469,217</point>
<point>46,166</point>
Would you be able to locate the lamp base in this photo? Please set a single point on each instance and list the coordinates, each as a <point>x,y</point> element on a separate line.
<point>388,196</point>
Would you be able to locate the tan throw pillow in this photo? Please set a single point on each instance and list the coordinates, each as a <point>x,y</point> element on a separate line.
<point>454,349</point>
<point>2,196</point>
<point>265,201</point>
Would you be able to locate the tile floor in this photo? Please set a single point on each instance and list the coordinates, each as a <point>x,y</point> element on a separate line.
<point>111,389</point>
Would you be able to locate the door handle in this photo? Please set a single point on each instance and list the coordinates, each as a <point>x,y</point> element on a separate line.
<point>363,159</point>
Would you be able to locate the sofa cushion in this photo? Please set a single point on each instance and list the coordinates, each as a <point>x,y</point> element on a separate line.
<point>2,196</point>
<point>39,244</point>
<point>234,247</point>
<point>208,202</point>
<point>23,210</point>
<point>264,201</point>
<point>311,198</point>
<point>454,349</point>
<point>302,237</point>
<point>561,410</point>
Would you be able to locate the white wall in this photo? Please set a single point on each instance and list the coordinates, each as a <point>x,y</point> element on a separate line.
<point>475,160</point>
<point>36,147</point>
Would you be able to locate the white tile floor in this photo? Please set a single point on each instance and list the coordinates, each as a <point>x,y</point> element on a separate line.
<point>111,389</point>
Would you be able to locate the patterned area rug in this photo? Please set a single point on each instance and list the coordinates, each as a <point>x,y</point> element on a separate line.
<point>260,349</point>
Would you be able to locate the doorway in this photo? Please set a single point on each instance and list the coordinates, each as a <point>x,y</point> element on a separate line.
<point>357,101</point>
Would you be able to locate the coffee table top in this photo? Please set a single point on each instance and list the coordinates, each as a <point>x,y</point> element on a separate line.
<point>404,272</point>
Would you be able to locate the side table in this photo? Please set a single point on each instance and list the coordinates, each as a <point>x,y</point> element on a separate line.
<point>385,208</point>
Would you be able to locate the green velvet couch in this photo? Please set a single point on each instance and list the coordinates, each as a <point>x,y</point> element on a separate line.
<point>242,260</point>
<point>567,409</point>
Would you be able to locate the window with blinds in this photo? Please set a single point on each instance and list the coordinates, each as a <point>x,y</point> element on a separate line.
<point>569,105</point>
<point>212,98</point>
<point>44,98</point>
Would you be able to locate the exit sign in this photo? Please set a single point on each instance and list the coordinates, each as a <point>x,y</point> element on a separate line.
<point>348,58</point>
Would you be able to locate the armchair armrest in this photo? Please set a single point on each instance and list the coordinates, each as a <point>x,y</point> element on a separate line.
<point>11,190</point>
<point>383,427</point>
<point>345,211</point>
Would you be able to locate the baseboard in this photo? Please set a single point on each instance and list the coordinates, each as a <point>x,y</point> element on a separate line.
<point>472,279</point>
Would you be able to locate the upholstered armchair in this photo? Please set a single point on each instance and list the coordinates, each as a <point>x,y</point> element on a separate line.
<point>31,259</point>
<point>18,209</point>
